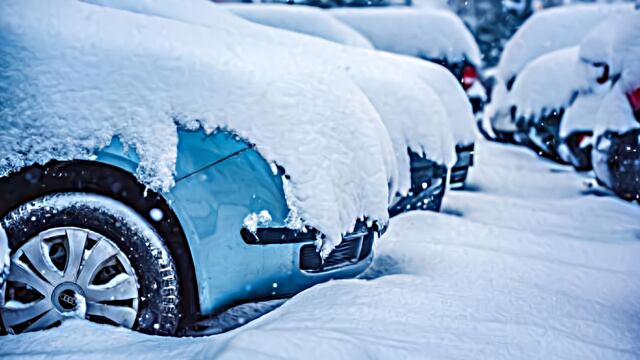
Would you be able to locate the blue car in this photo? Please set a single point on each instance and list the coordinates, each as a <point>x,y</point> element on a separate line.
<point>88,240</point>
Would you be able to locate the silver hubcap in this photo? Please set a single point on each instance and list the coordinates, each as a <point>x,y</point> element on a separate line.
<point>68,273</point>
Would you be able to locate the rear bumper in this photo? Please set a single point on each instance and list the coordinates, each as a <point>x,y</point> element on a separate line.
<point>460,170</point>
<point>428,184</point>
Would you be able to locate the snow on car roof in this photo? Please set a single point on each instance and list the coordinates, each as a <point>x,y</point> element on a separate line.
<point>303,19</point>
<point>74,75</point>
<point>423,32</point>
<point>354,61</point>
<point>549,83</point>
<point>550,30</point>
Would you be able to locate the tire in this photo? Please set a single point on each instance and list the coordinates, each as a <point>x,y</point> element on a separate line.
<point>141,256</point>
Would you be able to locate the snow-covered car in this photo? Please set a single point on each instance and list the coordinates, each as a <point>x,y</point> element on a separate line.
<point>544,32</point>
<point>435,35</point>
<point>302,19</point>
<point>540,96</point>
<point>614,50</point>
<point>159,171</point>
<point>418,90</point>
<point>405,105</point>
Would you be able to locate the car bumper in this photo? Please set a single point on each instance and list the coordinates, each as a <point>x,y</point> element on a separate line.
<point>460,170</point>
<point>428,184</point>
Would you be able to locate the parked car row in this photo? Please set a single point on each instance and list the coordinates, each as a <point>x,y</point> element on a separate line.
<point>188,160</point>
<point>568,87</point>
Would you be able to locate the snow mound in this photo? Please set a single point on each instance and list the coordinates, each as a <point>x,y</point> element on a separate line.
<point>581,115</point>
<point>67,87</point>
<point>549,83</point>
<point>302,19</point>
<point>615,42</point>
<point>424,32</point>
<point>412,115</point>
<point>551,30</point>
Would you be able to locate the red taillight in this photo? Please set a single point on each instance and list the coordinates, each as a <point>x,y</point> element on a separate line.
<point>583,139</point>
<point>469,76</point>
<point>634,101</point>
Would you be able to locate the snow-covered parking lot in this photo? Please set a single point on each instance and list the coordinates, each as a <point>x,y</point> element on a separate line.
<point>528,263</point>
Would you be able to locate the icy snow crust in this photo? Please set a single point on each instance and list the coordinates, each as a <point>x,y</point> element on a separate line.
<point>549,83</point>
<point>551,30</point>
<point>526,267</point>
<point>404,90</point>
<point>67,87</point>
<point>424,32</point>
<point>303,19</point>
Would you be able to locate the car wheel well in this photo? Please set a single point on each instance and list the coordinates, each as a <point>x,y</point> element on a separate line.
<point>94,177</point>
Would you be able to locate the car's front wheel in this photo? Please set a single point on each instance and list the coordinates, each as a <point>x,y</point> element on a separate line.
<point>78,255</point>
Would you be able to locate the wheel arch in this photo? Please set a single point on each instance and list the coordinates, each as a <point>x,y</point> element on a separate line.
<point>111,176</point>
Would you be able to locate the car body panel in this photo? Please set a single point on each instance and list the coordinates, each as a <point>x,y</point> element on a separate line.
<point>220,181</point>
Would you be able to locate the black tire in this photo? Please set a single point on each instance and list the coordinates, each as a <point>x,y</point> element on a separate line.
<point>159,299</point>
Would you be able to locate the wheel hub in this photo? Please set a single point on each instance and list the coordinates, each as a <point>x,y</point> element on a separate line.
<point>66,297</point>
<point>68,272</point>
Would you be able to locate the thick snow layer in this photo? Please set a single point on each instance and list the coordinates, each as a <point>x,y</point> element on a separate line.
<point>67,86</point>
<point>550,30</point>
<point>303,19</point>
<point>549,83</point>
<point>523,267</point>
<point>581,115</point>
<point>615,113</point>
<point>422,32</point>
<point>615,42</point>
<point>411,112</point>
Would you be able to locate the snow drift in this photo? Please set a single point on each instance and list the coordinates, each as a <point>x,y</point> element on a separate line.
<point>303,19</point>
<point>67,87</point>
<point>427,33</point>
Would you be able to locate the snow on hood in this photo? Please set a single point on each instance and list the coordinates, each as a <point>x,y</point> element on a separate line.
<point>549,83</point>
<point>550,30</point>
<point>582,115</point>
<point>67,87</point>
<point>421,123</point>
<point>424,32</point>
<point>302,19</point>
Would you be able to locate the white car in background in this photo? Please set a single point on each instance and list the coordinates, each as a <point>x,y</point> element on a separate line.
<point>544,32</point>
<point>431,34</point>
<point>396,98</point>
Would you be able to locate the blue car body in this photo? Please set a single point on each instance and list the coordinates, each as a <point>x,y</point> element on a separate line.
<point>220,180</point>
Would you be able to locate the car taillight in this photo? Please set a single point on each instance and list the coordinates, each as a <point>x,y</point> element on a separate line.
<point>583,139</point>
<point>634,101</point>
<point>469,76</point>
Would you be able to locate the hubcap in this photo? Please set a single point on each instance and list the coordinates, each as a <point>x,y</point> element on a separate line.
<point>68,272</point>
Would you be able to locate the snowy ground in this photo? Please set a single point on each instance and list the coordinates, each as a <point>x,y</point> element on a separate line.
<point>526,264</point>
